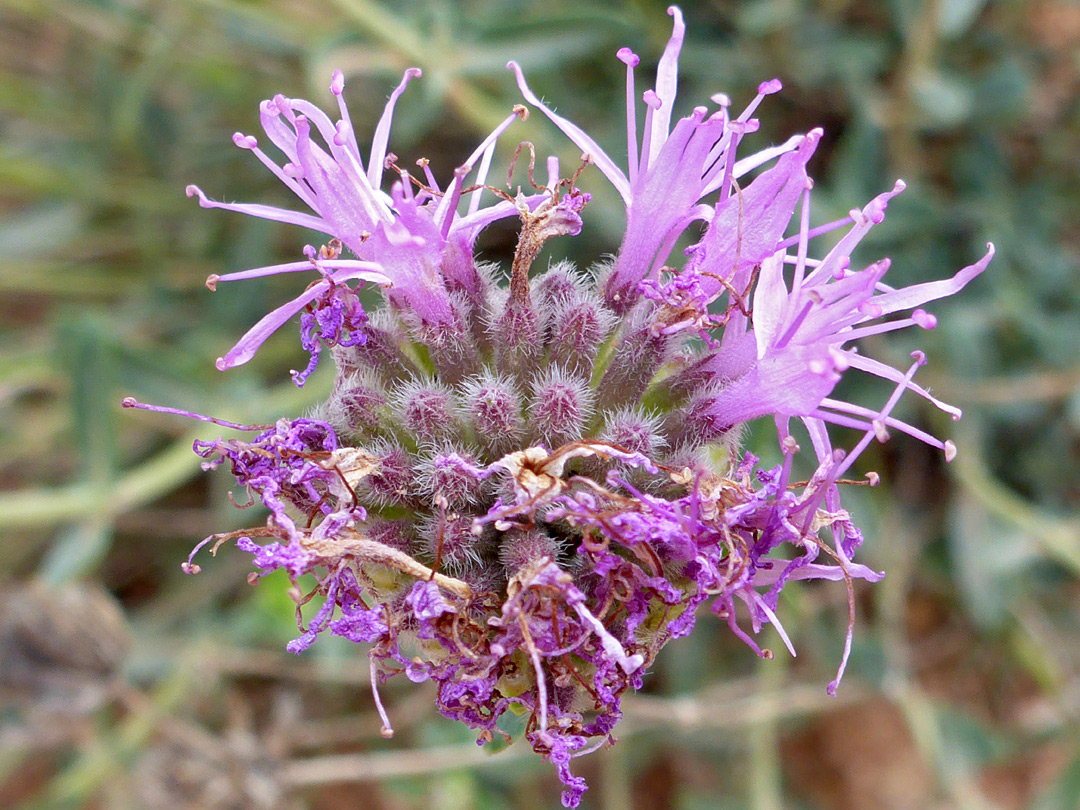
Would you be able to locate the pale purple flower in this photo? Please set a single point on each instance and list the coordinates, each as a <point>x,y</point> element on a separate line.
<point>417,245</point>
<point>787,361</point>
<point>671,170</point>
<point>553,469</point>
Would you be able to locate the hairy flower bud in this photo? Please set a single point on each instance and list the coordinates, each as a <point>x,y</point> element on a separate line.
<point>492,410</point>
<point>450,345</point>
<point>450,540</point>
<point>637,358</point>
<point>521,548</point>
<point>630,428</point>
<point>357,404</point>
<point>558,286</point>
<point>396,534</point>
<point>451,479</point>
<point>391,483</point>
<point>381,352</point>
<point>578,326</point>
<point>425,408</point>
<point>516,337</point>
<point>695,422</point>
<point>562,404</point>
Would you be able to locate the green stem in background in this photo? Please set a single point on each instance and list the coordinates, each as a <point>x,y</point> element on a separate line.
<point>377,766</point>
<point>766,788</point>
<point>1059,537</point>
<point>917,57</point>
<point>918,710</point>
<point>106,757</point>
<point>616,789</point>
<point>373,18</point>
<point>49,506</point>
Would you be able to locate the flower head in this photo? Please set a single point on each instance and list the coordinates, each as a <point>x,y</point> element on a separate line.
<point>523,493</point>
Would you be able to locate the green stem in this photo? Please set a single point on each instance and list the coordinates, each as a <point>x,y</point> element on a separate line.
<point>49,506</point>
<point>1058,536</point>
<point>383,25</point>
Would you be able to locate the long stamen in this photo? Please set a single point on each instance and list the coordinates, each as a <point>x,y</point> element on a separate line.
<point>818,231</point>
<point>879,369</point>
<point>880,329</point>
<point>879,422</point>
<point>887,422</point>
<point>387,731</point>
<point>131,402</point>
<point>631,60</point>
<point>727,181</point>
<point>481,177</point>
<point>764,89</point>
<point>346,131</point>
<point>251,144</point>
<point>448,204</point>
<point>652,104</point>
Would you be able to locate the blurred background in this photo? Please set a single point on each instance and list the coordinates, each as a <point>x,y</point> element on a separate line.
<point>126,684</point>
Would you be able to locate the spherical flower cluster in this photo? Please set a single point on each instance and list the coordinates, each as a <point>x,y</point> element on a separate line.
<point>522,492</point>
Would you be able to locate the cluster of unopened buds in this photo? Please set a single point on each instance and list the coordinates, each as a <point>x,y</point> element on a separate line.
<point>522,491</point>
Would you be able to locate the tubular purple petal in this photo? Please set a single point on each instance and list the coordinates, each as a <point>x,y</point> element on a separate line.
<point>919,294</point>
<point>382,131</point>
<point>246,347</point>
<point>262,211</point>
<point>667,79</point>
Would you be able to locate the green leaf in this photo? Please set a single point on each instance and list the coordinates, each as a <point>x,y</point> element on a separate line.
<point>955,17</point>
<point>1064,793</point>
<point>945,100</point>
<point>87,353</point>
<point>77,552</point>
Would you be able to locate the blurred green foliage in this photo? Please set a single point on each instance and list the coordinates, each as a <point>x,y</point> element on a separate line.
<point>108,108</point>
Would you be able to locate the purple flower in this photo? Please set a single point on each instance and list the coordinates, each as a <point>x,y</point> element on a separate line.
<point>671,170</point>
<point>523,493</point>
<point>428,605</point>
<point>786,361</point>
<point>415,244</point>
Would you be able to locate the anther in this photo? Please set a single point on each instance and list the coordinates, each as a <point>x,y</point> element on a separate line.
<point>244,141</point>
<point>924,319</point>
